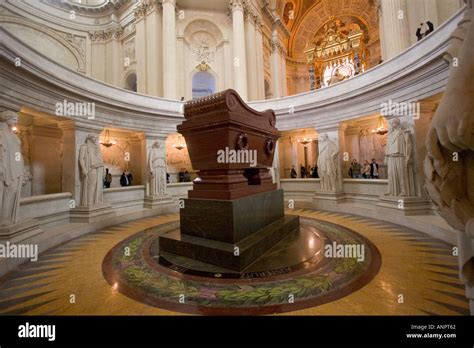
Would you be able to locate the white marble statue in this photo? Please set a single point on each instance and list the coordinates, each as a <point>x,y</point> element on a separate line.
<point>11,169</point>
<point>91,168</point>
<point>449,162</point>
<point>328,163</point>
<point>396,159</point>
<point>157,170</point>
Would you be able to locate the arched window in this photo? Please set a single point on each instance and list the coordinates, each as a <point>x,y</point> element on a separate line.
<point>203,84</point>
<point>131,82</point>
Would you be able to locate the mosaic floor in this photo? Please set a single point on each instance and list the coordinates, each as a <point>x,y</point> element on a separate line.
<point>405,273</point>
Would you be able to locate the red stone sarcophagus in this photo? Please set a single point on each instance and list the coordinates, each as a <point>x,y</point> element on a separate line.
<point>234,214</point>
<point>224,136</point>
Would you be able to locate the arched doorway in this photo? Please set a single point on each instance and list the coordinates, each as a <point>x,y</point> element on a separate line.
<point>204,84</point>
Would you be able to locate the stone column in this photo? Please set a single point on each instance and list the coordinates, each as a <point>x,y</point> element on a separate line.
<point>183,90</point>
<point>250,41</point>
<point>395,27</point>
<point>275,63</point>
<point>228,65</point>
<point>113,58</point>
<point>284,85</point>
<point>238,49</point>
<point>154,54</point>
<point>169,50</point>
<point>68,165</point>
<point>140,50</point>
<point>260,64</point>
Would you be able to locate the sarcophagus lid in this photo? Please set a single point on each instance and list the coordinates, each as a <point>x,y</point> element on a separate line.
<point>223,122</point>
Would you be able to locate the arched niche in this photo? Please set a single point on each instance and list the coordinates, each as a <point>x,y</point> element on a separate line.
<point>203,50</point>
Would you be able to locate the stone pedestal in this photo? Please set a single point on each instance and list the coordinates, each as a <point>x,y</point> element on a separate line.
<point>406,205</point>
<point>230,233</point>
<point>322,199</point>
<point>20,231</point>
<point>154,202</point>
<point>92,214</point>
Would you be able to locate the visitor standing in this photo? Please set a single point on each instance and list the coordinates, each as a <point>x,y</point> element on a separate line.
<point>293,173</point>
<point>356,169</point>
<point>108,178</point>
<point>374,169</point>
<point>366,170</point>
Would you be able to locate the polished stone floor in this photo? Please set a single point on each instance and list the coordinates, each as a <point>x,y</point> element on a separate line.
<point>417,275</point>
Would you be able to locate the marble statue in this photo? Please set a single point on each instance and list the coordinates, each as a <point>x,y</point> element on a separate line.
<point>449,162</point>
<point>11,169</point>
<point>396,159</point>
<point>91,168</point>
<point>157,170</point>
<point>328,163</point>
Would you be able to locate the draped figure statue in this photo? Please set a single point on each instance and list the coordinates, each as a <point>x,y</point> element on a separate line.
<point>396,157</point>
<point>157,170</point>
<point>91,168</point>
<point>11,169</point>
<point>328,163</point>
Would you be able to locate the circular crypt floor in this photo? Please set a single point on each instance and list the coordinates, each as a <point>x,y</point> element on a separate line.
<point>404,272</point>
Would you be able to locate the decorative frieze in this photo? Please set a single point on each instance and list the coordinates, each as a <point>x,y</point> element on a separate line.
<point>106,35</point>
<point>145,7</point>
<point>236,5</point>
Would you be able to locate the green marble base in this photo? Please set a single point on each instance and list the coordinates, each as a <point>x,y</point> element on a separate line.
<point>235,256</point>
<point>231,221</point>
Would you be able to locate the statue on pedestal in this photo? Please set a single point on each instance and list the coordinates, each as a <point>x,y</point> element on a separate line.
<point>328,163</point>
<point>91,168</point>
<point>157,170</point>
<point>396,160</point>
<point>11,169</point>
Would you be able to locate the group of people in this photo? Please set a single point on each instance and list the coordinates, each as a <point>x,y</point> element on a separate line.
<point>308,172</point>
<point>184,176</point>
<point>365,171</point>
<point>420,35</point>
<point>126,178</point>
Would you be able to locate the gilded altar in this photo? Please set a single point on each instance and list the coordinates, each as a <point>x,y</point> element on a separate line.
<point>337,52</point>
